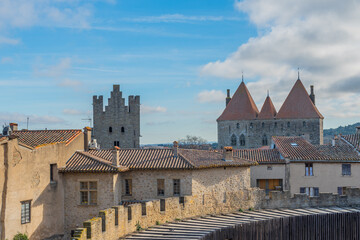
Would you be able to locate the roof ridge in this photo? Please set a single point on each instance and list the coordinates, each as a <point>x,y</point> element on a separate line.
<point>187,160</point>
<point>48,130</point>
<point>101,160</point>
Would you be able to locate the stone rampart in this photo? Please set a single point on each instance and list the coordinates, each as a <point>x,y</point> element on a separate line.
<point>118,221</point>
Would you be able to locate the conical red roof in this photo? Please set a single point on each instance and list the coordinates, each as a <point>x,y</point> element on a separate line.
<point>268,110</point>
<point>298,104</point>
<point>241,106</point>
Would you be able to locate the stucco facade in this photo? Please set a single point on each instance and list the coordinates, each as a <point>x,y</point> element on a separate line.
<point>27,178</point>
<point>267,171</point>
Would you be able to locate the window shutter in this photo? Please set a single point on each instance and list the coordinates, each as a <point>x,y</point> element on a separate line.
<point>340,190</point>
<point>316,191</point>
<point>302,190</point>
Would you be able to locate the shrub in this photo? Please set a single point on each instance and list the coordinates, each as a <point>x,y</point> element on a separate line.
<point>20,236</point>
<point>138,226</point>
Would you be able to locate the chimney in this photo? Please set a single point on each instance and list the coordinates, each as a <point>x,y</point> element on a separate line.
<point>228,98</point>
<point>312,95</point>
<point>115,155</point>
<point>14,126</point>
<point>358,130</point>
<point>87,137</point>
<point>228,154</point>
<point>333,142</point>
<point>175,148</point>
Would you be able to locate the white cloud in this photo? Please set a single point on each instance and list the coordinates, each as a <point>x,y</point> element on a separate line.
<point>56,70</point>
<point>211,96</point>
<point>9,41</point>
<point>34,119</point>
<point>321,37</point>
<point>179,18</point>
<point>69,83</point>
<point>5,60</point>
<point>149,109</point>
<point>73,112</point>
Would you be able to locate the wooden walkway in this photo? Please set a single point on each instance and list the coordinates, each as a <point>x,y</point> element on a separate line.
<point>309,223</point>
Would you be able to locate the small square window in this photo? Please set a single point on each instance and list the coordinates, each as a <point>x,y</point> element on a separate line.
<point>346,169</point>
<point>128,187</point>
<point>88,193</point>
<point>176,186</point>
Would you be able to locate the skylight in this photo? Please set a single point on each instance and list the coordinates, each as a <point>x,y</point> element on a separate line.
<point>294,144</point>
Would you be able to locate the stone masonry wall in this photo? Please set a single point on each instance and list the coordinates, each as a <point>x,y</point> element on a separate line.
<point>255,130</point>
<point>124,121</point>
<point>111,225</point>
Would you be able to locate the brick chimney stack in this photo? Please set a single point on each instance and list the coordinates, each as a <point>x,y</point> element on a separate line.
<point>13,126</point>
<point>312,94</point>
<point>228,98</point>
<point>228,154</point>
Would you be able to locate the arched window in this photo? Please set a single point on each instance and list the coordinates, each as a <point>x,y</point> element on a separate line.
<point>122,129</point>
<point>264,140</point>
<point>242,140</point>
<point>262,125</point>
<point>110,129</point>
<point>233,140</point>
<point>238,125</point>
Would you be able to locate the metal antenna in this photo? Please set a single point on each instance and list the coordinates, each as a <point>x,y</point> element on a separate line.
<point>242,76</point>
<point>87,119</point>
<point>268,92</point>
<point>298,74</point>
<point>27,123</point>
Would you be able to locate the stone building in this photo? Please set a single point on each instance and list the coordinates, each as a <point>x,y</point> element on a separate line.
<point>296,165</point>
<point>117,125</point>
<point>99,179</point>
<point>32,193</point>
<point>242,126</point>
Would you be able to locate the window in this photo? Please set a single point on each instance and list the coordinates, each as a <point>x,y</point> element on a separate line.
<point>134,133</point>
<point>310,191</point>
<point>269,167</point>
<point>52,172</point>
<point>269,185</point>
<point>238,125</point>
<point>88,193</point>
<point>176,186</point>
<point>233,140</point>
<point>346,169</point>
<point>25,212</point>
<point>251,125</point>
<point>160,187</point>
<point>116,143</point>
<point>304,124</point>
<point>110,129</point>
<point>309,169</point>
<point>122,129</point>
<point>128,187</point>
<point>242,140</point>
<point>275,125</point>
<point>288,124</point>
<point>262,125</point>
<point>342,190</point>
<point>264,140</point>
<point>229,129</point>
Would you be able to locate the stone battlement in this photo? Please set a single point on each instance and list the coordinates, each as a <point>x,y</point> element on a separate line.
<point>119,221</point>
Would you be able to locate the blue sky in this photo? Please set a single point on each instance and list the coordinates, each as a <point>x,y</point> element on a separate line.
<point>179,56</point>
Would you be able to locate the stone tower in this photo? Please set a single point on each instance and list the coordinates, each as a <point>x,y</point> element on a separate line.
<point>241,125</point>
<point>118,125</point>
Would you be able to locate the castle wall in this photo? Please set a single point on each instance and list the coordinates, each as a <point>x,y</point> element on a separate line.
<point>254,131</point>
<point>29,179</point>
<point>123,120</point>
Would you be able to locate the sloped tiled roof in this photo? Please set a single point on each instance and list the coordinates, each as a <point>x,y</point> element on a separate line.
<point>268,110</point>
<point>85,162</point>
<point>260,155</point>
<point>241,106</point>
<point>298,104</point>
<point>39,138</point>
<point>297,148</point>
<point>353,139</point>
<point>136,159</point>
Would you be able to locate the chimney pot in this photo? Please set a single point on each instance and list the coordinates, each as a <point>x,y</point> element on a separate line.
<point>228,154</point>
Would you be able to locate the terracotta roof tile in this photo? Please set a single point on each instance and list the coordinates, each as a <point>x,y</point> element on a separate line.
<point>241,106</point>
<point>85,162</point>
<point>260,155</point>
<point>297,148</point>
<point>268,110</point>
<point>298,104</point>
<point>39,138</point>
<point>136,159</point>
<point>353,139</point>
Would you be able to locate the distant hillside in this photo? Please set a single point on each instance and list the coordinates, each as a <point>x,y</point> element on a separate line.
<point>349,129</point>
